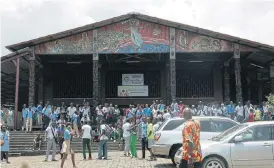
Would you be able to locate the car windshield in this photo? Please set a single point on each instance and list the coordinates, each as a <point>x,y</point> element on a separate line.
<point>228,132</point>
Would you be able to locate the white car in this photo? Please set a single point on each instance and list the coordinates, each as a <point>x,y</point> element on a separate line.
<point>168,137</point>
<point>249,145</point>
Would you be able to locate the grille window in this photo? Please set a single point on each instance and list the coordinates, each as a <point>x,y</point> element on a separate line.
<point>73,82</point>
<point>194,83</point>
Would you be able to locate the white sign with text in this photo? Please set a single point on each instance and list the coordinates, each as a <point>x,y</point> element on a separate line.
<point>133,91</point>
<point>132,79</point>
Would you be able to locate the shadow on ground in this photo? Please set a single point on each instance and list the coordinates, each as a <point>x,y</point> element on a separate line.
<point>167,165</point>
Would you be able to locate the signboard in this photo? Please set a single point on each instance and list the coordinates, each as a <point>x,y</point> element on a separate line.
<point>132,91</point>
<point>132,79</point>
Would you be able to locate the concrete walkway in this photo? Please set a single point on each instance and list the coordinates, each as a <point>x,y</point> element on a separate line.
<point>116,160</point>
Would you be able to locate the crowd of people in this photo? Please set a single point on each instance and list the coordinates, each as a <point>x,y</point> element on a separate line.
<point>126,125</point>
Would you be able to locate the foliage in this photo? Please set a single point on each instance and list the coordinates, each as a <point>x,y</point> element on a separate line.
<point>270,102</point>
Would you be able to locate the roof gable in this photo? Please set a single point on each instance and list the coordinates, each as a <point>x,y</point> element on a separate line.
<point>191,29</point>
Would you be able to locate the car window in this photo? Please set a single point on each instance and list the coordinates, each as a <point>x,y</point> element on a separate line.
<point>257,133</point>
<point>161,126</point>
<point>206,126</point>
<point>228,132</point>
<point>172,124</point>
<point>220,125</point>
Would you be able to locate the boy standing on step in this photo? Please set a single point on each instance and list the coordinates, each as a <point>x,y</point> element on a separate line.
<point>86,136</point>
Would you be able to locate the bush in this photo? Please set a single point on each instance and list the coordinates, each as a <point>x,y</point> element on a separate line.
<point>270,102</point>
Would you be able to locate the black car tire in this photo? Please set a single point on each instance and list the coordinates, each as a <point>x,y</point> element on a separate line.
<point>213,162</point>
<point>173,152</point>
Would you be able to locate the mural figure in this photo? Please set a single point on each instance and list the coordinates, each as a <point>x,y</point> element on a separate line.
<point>136,37</point>
<point>156,31</point>
<point>183,39</point>
<point>81,45</point>
<point>207,44</point>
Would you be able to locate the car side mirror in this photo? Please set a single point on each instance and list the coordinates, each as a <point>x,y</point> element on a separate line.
<point>238,138</point>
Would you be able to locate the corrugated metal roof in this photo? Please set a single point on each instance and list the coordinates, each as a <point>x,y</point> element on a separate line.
<point>15,54</point>
<point>197,30</point>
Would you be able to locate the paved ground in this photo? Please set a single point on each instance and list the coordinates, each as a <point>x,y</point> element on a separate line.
<point>116,160</point>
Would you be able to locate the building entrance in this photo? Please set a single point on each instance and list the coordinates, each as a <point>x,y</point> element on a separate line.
<point>133,79</point>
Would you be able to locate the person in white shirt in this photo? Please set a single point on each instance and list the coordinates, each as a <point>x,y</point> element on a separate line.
<point>240,112</point>
<point>61,121</point>
<point>86,109</point>
<point>70,111</point>
<point>166,116</point>
<point>85,118</point>
<point>102,147</point>
<point>247,109</point>
<point>106,110</point>
<point>100,114</point>
<point>266,115</point>
<point>218,111</point>
<point>224,110</point>
<point>193,110</point>
<point>126,136</point>
<point>50,135</point>
<point>86,136</point>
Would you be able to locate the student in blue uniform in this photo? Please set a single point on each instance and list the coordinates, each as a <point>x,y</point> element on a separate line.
<point>66,148</point>
<point>24,116</point>
<point>31,111</point>
<point>39,113</point>
<point>4,136</point>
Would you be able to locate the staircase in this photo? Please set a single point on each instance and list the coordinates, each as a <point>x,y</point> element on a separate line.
<point>21,143</point>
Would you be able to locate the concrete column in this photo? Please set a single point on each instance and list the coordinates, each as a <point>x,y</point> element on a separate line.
<point>167,85</point>
<point>41,88</point>
<point>172,64</point>
<point>163,85</point>
<point>260,88</point>
<point>248,80</point>
<point>96,74</point>
<point>236,55</point>
<point>32,79</point>
<point>271,72</point>
<point>16,93</point>
<point>226,83</point>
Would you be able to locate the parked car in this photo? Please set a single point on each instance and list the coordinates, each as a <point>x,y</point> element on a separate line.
<point>243,146</point>
<point>168,137</point>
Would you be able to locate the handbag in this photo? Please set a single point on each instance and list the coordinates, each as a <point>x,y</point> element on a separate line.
<point>2,141</point>
<point>55,139</point>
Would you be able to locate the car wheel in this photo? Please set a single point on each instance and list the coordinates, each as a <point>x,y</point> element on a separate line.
<point>213,162</point>
<point>172,154</point>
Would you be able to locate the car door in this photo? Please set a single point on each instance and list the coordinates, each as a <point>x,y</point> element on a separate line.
<point>273,143</point>
<point>256,149</point>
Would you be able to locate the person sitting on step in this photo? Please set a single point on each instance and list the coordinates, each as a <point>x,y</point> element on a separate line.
<point>37,142</point>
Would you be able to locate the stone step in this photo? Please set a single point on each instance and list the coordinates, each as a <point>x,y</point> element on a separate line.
<point>42,152</point>
<point>14,154</point>
<point>21,143</point>
<point>44,145</point>
<point>17,140</point>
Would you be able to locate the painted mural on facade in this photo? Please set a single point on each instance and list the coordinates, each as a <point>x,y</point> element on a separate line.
<point>80,43</point>
<point>133,36</point>
<point>192,42</point>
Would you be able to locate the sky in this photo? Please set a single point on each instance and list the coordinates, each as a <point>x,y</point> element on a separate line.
<point>23,20</point>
